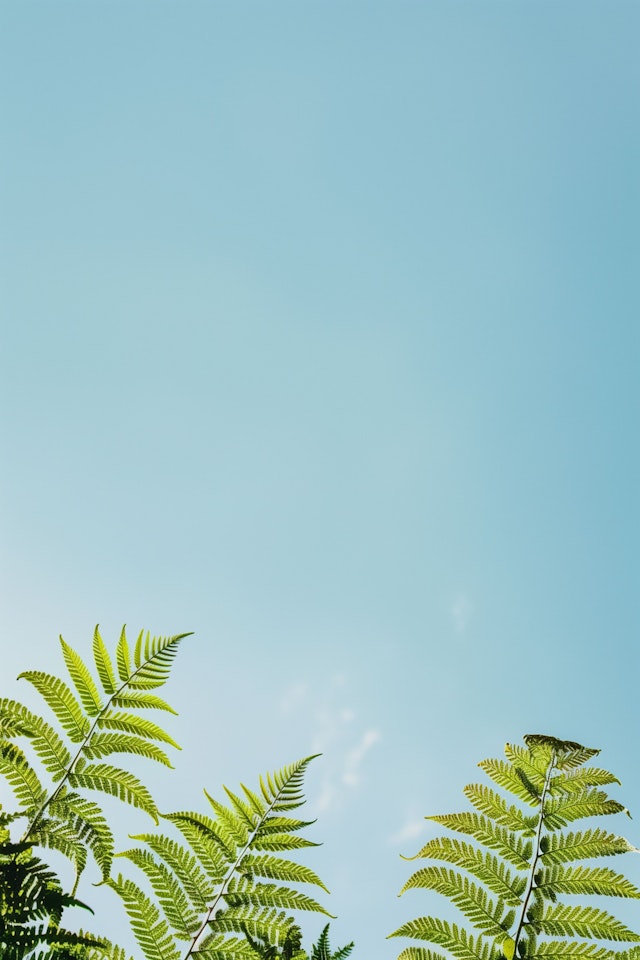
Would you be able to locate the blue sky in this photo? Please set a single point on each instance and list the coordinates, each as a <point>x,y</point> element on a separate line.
<point>320,340</point>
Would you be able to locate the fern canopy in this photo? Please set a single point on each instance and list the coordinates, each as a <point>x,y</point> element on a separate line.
<point>518,856</point>
<point>223,890</point>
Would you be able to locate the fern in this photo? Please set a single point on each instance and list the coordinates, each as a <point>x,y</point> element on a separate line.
<point>32,903</point>
<point>221,891</point>
<point>507,878</point>
<point>95,718</point>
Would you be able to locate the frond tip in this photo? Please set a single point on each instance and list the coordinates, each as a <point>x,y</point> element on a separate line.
<point>518,860</point>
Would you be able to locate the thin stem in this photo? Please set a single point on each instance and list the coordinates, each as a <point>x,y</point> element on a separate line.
<point>538,852</point>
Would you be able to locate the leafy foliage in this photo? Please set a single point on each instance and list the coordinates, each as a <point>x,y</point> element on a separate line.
<point>31,906</point>
<point>95,718</point>
<point>222,891</point>
<point>506,879</point>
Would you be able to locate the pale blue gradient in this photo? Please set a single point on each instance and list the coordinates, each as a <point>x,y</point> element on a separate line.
<point>320,339</point>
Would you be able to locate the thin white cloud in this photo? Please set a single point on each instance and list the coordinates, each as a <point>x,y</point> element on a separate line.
<point>410,830</point>
<point>462,610</point>
<point>354,758</point>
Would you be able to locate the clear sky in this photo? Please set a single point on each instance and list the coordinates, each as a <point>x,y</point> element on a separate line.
<point>320,339</point>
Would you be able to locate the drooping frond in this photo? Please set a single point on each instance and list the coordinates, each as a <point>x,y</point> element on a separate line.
<point>509,877</point>
<point>221,884</point>
<point>95,716</point>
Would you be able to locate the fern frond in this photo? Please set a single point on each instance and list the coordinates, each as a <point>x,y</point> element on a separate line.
<point>44,739</point>
<point>61,701</point>
<point>420,953</point>
<point>453,938</point>
<point>518,914</point>
<point>490,803</point>
<point>89,825</point>
<point>584,845</point>
<point>209,889</point>
<point>563,920</point>
<point>105,744</point>
<point>82,680</point>
<point>492,871</point>
<point>153,658</point>
<point>103,664</point>
<point>150,929</point>
<point>23,779</point>
<point>586,880</point>
<point>576,806</point>
<point>515,849</point>
<point>141,701</point>
<point>139,726</point>
<point>276,869</point>
<point>184,865</point>
<point>119,783</point>
<point>178,909</point>
<point>513,779</point>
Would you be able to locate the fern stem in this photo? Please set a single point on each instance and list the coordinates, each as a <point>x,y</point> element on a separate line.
<point>229,877</point>
<point>534,863</point>
<point>39,813</point>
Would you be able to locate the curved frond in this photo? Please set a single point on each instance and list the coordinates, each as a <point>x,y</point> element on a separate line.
<point>61,701</point>
<point>44,739</point>
<point>82,680</point>
<point>118,783</point>
<point>15,767</point>
<point>103,663</point>
<point>151,931</point>
<point>105,744</point>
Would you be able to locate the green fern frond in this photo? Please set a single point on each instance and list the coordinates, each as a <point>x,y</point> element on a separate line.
<point>82,680</point>
<point>23,779</point>
<point>207,891</point>
<point>586,880</point>
<point>276,869</point>
<point>321,950</point>
<point>105,744</point>
<point>150,929</point>
<point>514,848</point>
<point>141,701</point>
<point>119,783</point>
<point>518,914</point>
<point>103,663</point>
<point>420,953</point>
<point>44,739</point>
<point>62,702</point>
<point>584,845</point>
<point>139,726</point>
<point>492,871</point>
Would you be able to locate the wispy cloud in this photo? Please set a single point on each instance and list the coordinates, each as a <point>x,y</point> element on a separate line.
<point>354,758</point>
<point>336,733</point>
<point>462,611</point>
<point>410,830</point>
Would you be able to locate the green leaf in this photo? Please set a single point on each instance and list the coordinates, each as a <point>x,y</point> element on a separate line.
<point>61,701</point>
<point>149,928</point>
<point>118,783</point>
<point>123,657</point>
<point>103,664</point>
<point>105,744</point>
<point>82,680</point>
<point>44,739</point>
<point>15,767</point>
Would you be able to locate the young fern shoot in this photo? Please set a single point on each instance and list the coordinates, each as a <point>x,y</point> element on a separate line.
<point>507,877</point>
<point>210,900</point>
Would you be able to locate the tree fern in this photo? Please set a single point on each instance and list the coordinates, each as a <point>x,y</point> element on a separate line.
<point>95,717</point>
<point>222,890</point>
<point>516,861</point>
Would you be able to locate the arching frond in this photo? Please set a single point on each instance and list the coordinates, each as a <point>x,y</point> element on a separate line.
<point>517,912</point>
<point>210,889</point>
<point>94,718</point>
